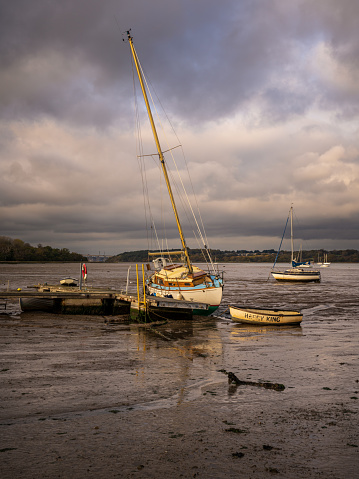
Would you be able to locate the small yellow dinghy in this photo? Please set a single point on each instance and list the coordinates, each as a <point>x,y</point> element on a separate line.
<point>242,314</point>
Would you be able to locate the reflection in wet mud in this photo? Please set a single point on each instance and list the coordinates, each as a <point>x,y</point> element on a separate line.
<point>244,332</point>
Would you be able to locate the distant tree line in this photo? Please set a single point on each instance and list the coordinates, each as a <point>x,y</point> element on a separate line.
<point>18,250</point>
<point>244,256</point>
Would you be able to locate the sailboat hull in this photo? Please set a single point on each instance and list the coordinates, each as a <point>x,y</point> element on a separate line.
<point>296,276</point>
<point>207,295</point>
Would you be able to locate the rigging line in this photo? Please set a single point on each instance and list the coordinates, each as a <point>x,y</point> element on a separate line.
<point>190,204</point>
<point>199,247</point>
<point>170,149</point>
<point>281,240</point>
<point>184,204</point>
<point>145,194</point>
<point>163,218</point>
<point>198,227</point>
<point>209,259</point>
<point>173,159</point>
<point>190,178</point>
<point>205,239</point>
<point>139,146</point>
<point>173,130</point>
<point>142,166</point>
<point>195,197</point>
<point>164,151</point>
<point>152,217</point>
<point>180,192</point>
<point>158,118</point>
<point>299,225</point>
<point>180,197</point>
<point>152,220</point>
<point>187,197</point>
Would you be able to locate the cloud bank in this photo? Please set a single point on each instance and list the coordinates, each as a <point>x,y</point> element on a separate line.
<point>263,95</point>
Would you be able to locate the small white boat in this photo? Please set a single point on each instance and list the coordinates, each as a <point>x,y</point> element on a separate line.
<point>242,314</point>
<point>300,271</point>
<point>69,282</point>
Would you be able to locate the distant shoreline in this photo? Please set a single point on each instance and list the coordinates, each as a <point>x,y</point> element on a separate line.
<point>242,256</point>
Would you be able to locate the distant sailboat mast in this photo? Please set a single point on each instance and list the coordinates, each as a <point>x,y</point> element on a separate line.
<point>160,153</point>
<point>291,235</point>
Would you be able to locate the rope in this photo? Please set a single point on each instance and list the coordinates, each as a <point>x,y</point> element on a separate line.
<point>281,242</point>
<point>203,236</point>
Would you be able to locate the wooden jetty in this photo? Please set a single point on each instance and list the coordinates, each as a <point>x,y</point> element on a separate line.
<point>69,299</point>
<point>95,301</point>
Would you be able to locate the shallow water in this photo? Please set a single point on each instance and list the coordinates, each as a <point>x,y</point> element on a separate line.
<point>335,297</point>
<point>321,352</point>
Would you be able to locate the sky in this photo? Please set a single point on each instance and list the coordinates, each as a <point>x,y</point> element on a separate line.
<point>263,96</point>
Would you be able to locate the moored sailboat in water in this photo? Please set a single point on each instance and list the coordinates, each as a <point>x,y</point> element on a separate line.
<point>296,273</point>
<point>180,281</point>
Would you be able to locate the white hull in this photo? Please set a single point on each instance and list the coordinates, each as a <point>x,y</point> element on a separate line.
<point>296,276</point>
<point>211,296</point>
<point>264,316</point>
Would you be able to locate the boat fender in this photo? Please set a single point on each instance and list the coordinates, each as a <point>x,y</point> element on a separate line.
<point>84,271</point>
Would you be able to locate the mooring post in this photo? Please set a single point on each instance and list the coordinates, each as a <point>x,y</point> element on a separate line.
<point>138,288</point>
<point>128,277</point>
<point>81,275</point>
<point>144,284</point>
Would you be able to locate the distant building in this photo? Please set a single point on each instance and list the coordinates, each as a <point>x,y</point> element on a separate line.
<point>97,258</point>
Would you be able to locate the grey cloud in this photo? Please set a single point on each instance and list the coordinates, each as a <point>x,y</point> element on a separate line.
<point>68,167</point>
<point>216,57</point>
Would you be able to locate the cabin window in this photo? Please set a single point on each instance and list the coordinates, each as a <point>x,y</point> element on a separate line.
<point>160,281</point>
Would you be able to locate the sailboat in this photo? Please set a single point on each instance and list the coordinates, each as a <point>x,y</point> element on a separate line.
<point>298,261</point>
<point>296,273</point>
<point>325,261</point>
<point>182,281</point>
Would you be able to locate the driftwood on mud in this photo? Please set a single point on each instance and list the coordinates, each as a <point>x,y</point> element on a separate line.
<point>232,379</point>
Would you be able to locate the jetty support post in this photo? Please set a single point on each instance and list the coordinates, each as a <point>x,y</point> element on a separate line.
<point>139,308</point>
<point>144,284</point>
<point>128,278</point>
<point>81,275</point>
<point>138,288</point>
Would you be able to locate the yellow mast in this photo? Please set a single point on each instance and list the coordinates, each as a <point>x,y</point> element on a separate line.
<point>160,154</point>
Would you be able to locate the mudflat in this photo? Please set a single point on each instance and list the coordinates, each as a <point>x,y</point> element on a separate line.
<point>99,397</point>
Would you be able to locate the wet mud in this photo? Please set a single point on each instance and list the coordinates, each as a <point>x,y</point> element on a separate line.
<point>97,396</point>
